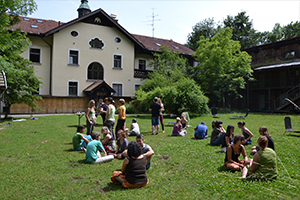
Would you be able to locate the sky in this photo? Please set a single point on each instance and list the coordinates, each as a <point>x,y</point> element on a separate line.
<point>174,19</point>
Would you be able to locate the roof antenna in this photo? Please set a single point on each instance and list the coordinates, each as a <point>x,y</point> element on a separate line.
<point>153,19</point>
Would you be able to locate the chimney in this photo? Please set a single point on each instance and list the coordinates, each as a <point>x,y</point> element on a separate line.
<point>114,17</point>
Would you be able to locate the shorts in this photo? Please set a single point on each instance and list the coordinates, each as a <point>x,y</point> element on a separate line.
<point>155,120</point>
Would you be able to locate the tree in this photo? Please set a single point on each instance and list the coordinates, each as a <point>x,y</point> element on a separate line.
<point>169,81</point>
<point>291,30</point>
<point>242,29</point>
<point>223,68</point>
<point>206,28</point>
<point>21,80</point>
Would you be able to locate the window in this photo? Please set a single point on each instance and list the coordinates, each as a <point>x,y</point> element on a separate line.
<point>158,44</point>
<point>74,33</point>
<point>142,64</point>
<point>118,61</point>
<point>26,19</point>
<point>34,55</point>
<point>136,87</point>
<point>34,26</point>
<point>96,43</point>
<point>73,57</point>
<point>73,88</point>
<point>290,54</point>
<point>39,21</point>
<point>95,71</point>
<point>118,89</point>
<point>117,40</point>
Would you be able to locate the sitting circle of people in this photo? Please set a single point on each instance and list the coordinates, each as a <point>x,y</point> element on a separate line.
<point>136,155</point>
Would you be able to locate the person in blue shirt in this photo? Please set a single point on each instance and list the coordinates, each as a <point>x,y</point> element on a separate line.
<point>201,131</point>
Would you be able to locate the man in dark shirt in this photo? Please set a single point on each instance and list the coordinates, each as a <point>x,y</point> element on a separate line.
<point>155,109</point>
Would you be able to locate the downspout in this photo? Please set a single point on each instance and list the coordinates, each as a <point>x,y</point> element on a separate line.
<point>50,82</point>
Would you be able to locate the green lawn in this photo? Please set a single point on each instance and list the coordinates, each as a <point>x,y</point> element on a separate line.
<point>37,162</point>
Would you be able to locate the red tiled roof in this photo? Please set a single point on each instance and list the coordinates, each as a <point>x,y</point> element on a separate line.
<point>153,44</point>
<point>42,26</point>
<point>35,26</point>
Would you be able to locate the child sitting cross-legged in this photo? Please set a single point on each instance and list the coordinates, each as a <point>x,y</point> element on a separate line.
<point>93,150</point>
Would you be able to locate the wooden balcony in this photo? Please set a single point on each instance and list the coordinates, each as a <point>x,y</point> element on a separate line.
<point>139,73</point>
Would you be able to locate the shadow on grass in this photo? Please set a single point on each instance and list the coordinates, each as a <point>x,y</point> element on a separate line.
<point>69,150</point>
<point>293,135</point>
<point>72,126</point>
<point>223,169</point>
<point>111,187</point>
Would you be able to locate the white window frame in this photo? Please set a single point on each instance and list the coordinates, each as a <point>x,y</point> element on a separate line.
<point>69,50</point>
<point>68,94</point>
<point>113,63</point>
<point>139,63</point>
<point>118,83</point>
<point>35,47</point>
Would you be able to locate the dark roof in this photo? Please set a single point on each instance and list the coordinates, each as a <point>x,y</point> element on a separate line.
<point>153,44</point>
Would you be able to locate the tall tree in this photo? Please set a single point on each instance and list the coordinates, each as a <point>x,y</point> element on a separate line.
<point>242,29</point>
<point>223,68</point>
<point>206,28</point>
<point>21,80</point>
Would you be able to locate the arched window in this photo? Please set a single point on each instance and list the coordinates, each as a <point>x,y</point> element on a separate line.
<point>95,71</point>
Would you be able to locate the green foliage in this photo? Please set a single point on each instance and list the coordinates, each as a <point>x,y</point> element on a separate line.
<point>177,92</point>
<point>206,28</point>
<point>169,81</point>
<point>130,109</point>
<point>21,80</point>
<point>242,29</point>
<point>168,61</point>
<point>223,68</point>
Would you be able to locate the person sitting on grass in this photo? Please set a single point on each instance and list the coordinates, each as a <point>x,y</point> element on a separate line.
<point>264,131</point>
<point>201,131</point>
<point>108,141</point>
<point>133,174</point>
<point>217,135</point>
<point>146,150</point>
<point>264,165</point>
<point>93,150</point>
<point>245,131</point>
<point>232,161</point>
<point>227,138</point>
<point>177,129</point>
<point>80,140</point>
<point>134,128</point>
<point>183,121</point>
<point>122,144</point>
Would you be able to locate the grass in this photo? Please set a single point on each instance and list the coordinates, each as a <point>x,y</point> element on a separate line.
<point>37,162</point>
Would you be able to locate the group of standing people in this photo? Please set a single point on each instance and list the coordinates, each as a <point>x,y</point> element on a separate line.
<point>262,166</point>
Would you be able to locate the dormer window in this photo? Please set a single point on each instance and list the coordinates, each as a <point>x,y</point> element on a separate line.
<point>175,47</point>
<point>34,26</point>
<point>26,19</point>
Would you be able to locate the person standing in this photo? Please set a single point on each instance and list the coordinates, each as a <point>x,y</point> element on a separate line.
<point>121,116</point>
<point>90,117</point>
<point>155,108</point>
<point>110,117</point>
<point>102,108</point>
<point>161,117</point>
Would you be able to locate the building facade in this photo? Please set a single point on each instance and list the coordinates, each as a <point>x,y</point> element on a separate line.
<point>90,57</point>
